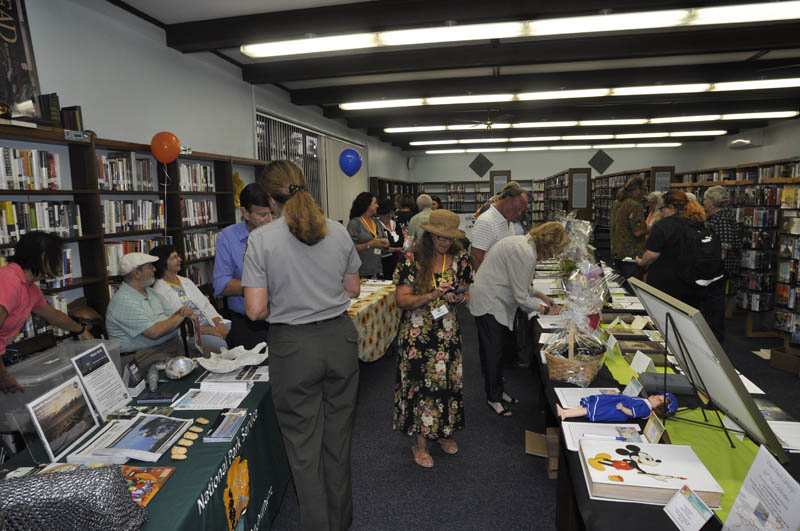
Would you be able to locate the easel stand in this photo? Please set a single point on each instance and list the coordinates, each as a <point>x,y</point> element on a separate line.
<point>693,375</point>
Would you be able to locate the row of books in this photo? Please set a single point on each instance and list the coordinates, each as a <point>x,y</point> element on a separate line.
<point>115,250</point>
<point>29,169</point>
<point>36,326</point>
<point>198,212</point>
<point>125,172</point>
<point>785,170</point>
<point>757,217</point>
<point>65,276</point>
<point>196,176</point>
<point>758,238</point>
<point>756,196</point>
<point>59,217</point>
<point>132,215</point>
<point>200,244</point>
<point>201,273</point>
<point>786,295</point>
<point>755,302</point>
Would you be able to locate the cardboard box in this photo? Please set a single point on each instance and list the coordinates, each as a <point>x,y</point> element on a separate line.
<point>785,360</point>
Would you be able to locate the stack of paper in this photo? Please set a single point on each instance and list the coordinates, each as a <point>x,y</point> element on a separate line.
<point>575,431</point>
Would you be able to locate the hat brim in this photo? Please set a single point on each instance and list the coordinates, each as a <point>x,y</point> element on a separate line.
<point>444,233</point>
<point>150,260</point>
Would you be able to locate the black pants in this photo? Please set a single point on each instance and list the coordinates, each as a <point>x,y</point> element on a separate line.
<point>493,339</point>
<point>712,305</point>
<point>245,332</point>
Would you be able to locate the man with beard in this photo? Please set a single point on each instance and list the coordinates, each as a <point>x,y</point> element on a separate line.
<point>136,316</point>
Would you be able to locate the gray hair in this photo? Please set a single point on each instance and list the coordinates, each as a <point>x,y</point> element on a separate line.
<point>717,196</point>
<point>655,197</point>
<point>691,197</point>
<point>424,201</point>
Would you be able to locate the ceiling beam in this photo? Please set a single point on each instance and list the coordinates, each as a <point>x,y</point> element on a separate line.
<point>570,110</point>
<point>586,48</point>
<point>737,71</point>
<point>231,32</point>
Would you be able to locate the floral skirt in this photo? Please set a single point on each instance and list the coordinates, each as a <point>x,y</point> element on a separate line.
<point>429,397</point>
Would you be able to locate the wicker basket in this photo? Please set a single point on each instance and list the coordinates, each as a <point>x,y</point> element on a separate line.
<point>574,371</point>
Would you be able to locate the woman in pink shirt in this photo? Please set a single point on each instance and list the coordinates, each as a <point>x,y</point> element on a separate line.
<point>37,256</point>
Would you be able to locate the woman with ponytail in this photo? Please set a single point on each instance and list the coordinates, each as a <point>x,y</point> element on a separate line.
<point>300,272</point>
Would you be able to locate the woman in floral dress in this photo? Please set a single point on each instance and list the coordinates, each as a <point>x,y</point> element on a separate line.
<point>431,281</point>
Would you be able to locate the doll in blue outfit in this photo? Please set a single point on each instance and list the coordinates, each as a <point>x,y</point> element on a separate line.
<point>621,408</point>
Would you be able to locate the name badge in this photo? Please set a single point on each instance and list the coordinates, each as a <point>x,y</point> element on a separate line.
<point>378,251</point>
<point>440,312</point>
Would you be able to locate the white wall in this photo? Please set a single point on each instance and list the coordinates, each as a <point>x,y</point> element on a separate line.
<point>341,189</point>
<point>130,85</point>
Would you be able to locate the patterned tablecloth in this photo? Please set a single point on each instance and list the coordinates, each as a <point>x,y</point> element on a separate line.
<point>376,317</point>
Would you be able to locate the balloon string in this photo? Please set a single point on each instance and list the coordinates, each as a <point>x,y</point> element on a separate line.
<point>164,214</point>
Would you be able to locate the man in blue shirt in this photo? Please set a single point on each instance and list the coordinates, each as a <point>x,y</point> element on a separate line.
<point>231,246</point>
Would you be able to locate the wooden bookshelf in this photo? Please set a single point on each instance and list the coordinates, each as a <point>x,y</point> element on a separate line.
<point>85,191</point>
<point>384,188</point>
<point>567,191</point>
<point>462,197</point>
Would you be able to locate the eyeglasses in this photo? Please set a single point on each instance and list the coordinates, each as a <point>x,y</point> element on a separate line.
<point>442,238</point>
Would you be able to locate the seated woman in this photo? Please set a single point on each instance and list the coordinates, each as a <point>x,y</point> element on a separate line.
<point>177,291</point>
<point>621,408</point>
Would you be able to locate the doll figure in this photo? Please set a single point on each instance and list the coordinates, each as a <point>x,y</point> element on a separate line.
<point>621,408</point>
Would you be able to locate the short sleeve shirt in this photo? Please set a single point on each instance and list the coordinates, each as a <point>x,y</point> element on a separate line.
<point>304,282</point>
<point>665,239</point>
<point>626,217</point>
<point>491,227</point>
<point>130,313</point>
<point>370,260</point>
<point>19,297</point>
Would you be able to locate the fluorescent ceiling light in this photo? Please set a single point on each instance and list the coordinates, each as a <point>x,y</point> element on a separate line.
<point>443,151</point>
<point>759,84</point>
<point>659,145</point>
<point>532,125</point>
<point>499,126</point>
<point>432,142</point>
<point>631,121</point>
<point>558,148</point>
<point>587,137</point>
<point>641,135</point>
<point>466,127</point>
<point>699,133</point>
<point>477,98</point>
<point>469,32</point>
<point>483,141</point>
<point>335,43</point>
<point>486,150</point>
<point>529,148</point>
<point>618,22</point>
<point>685,119</point>
<point>563,94</point>
<point>660,89</point>
<point>535,138</point>
<point>760,115</point>
<point>381,104</point>
<point>614,146</point>
<point>416,129</point>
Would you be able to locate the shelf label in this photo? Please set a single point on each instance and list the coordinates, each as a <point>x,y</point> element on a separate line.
<point>76,136</point>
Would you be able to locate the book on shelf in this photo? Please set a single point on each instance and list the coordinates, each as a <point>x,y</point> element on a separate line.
<point>59,217</point>
<point>29,169</point>
<point>199,244</point>
<point>195,176</point>
<point>125,172</point>
<point>198,211</point>
<point>200,274</point>
<point>784,170</point>
<point>115,250</point>
<point>644,473</point>
<point>36,326</point>
<point>132,215</point>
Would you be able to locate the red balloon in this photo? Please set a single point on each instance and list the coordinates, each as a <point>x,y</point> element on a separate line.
<point>165,147</point>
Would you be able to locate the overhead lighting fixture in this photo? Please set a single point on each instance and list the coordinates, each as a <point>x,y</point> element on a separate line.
<point>563,94</point>
<point>641,135</point>
<point>699,133</point>
<point>759,84</point>
<point>618,22</point>
<point>660,89</point>
<point>483,141</point>
<point>416,129</point>
<point>760,115</point>
<point>550,148</point>
<point>614,146</point>
<point>461,100</point>
<point>528,148</point>
<point>587,137</point>
<point>535,138</point>
<point>686,119</point>
<point>559,148</point>
<point>444,151</point>
<point>664,120</point>
<point>486,150</point>
<point>432,142</point>
<point>382,104</point>
<point>660,145</point>
<point>630,121</point>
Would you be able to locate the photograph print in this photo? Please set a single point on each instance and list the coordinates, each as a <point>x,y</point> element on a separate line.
<point>62,416</point>
<point>149,433</point>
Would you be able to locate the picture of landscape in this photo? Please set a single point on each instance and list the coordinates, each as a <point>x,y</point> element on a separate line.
<point>149,433</point>
<point>62,416</point>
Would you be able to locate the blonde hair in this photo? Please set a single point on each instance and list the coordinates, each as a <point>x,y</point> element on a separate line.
<point>550,239</point>
<point>284,182</point>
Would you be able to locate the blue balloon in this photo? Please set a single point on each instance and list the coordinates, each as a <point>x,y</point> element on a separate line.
<point>350,161</point>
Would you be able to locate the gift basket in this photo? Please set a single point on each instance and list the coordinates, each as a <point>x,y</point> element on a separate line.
<point>576,354</point>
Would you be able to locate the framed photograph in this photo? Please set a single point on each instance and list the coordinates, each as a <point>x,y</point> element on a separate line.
<point>62,417</point>
<point>20,89</point>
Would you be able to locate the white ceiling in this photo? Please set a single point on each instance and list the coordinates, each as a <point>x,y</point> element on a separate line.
<point>175,11</point>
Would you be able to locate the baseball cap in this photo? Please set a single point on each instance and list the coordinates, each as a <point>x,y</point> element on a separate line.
<point>672,403</point>
<point>131,261</point>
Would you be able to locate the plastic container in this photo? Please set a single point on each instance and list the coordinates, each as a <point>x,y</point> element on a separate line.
<point>42,372</point>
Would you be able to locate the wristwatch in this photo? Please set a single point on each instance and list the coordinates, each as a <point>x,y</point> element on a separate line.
<point>79,332</point>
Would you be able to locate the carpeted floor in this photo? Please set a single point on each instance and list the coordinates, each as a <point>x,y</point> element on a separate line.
<point>491,483</point>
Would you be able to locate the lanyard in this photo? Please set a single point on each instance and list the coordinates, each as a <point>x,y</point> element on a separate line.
<point>371,227</point>
<point>444,268</point>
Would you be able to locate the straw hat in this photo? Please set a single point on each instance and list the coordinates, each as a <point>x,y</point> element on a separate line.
<point>444,223</point>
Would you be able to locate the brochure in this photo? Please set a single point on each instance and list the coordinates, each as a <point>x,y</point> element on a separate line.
<point>101,380</point>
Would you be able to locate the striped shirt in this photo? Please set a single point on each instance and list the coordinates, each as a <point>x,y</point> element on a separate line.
<point>491,227</point>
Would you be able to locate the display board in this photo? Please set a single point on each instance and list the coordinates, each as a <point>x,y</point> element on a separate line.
<point>706,363</point>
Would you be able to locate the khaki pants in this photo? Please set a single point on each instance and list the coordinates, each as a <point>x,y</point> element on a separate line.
<point>314,375</point>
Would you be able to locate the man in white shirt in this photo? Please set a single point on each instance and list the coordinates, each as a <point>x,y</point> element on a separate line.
<point>425,207</point>
<point>499,221</point>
